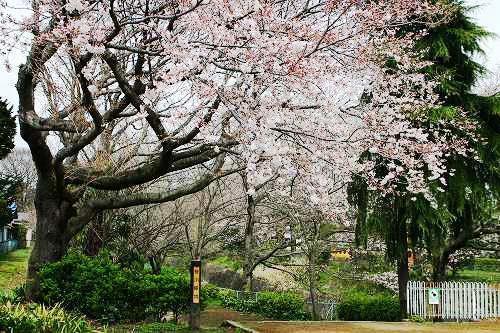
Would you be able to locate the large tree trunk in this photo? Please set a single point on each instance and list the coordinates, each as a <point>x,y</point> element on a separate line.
<point>50,243</point>
<point>248,281</point>
<point>403,277</point>
<point>312,286</point>
<point>402,261</point>
<point>439,267</point>
<point>456,242</point>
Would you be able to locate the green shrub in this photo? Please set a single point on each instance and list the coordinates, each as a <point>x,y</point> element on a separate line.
<point>210,295</point>
<point>109,292</point>
<point>169,291</point>
<point>281,306</point>
<point>210,291</point>
<point>273,305</point>
<point>244,304</point>
<point>364,307</point>
<point>35,318</point>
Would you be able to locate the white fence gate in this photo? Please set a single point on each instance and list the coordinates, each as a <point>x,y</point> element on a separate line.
<point>453,300</point>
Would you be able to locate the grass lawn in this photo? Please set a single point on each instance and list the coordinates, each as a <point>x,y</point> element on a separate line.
<point>477,275</point>
<point>370,327</point>
<point>13,267</point>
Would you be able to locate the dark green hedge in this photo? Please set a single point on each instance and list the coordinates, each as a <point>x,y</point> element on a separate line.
<point>363,307</point>
<point>103,290</point>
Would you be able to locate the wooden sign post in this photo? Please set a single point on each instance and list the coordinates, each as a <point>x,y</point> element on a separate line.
<point>194,315</point>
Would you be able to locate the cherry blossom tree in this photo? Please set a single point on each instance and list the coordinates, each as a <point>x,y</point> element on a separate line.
<point>18,164</point>
<point>131,92</point>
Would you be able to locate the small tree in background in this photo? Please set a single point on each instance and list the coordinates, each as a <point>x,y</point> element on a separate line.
<point>18,164</point>
<point>8,187</point>
<point>7,129</point>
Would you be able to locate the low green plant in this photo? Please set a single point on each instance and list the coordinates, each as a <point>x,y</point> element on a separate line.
<point>363,307</point>
<point>6,296</point>
<point>35,318</point>
<point>273,305</point>
<point>417,319</point>
<point>160,327</point>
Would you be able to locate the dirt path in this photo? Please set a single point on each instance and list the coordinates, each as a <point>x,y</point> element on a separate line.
<point>372,327</point>
<point>216,316</point>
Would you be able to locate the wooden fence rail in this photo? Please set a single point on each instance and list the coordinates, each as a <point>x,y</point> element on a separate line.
<point>453,300</point>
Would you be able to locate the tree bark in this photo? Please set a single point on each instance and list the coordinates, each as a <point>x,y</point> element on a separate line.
<point>248,282</point>
<point>403,277</point>
<point>51,243</point>
<point>312,286</point>
<point>93,239</point>
<point>440,264</point>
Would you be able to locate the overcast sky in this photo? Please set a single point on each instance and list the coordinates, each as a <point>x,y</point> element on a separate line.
<point>486,15</point>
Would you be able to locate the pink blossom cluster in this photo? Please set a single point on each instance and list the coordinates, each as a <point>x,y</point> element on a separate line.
<point>301,86</point>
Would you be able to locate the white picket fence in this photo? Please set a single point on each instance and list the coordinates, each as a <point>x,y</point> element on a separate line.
<point>456,300</point>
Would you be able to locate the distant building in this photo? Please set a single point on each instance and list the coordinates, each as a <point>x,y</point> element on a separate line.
<point>18,233</point>
<point>7,241</point>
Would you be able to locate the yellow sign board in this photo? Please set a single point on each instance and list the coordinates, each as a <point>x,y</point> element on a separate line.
<point>196,284</point>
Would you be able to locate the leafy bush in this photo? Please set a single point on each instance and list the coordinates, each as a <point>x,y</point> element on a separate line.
<point>210,291</point>
<point>35,318</point>
<point>230,300</point>
<point>361,306</point>
<point>19,294</point>
<point>103,290</point>
<point>210,295</point>
<point>273,305</point>
<point>281,306</point>
<point>169,291</point>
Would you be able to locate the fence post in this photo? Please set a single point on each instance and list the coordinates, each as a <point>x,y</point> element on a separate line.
<point>408,296</point>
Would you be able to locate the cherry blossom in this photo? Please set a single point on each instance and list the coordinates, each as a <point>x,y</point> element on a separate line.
<point>298,89</point>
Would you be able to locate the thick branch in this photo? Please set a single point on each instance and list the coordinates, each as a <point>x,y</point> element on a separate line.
<point>96,205</point>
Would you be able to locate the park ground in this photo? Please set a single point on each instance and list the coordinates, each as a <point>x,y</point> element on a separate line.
<point>213,318</point>
<point>13,271</point>
<point>370,327</point>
